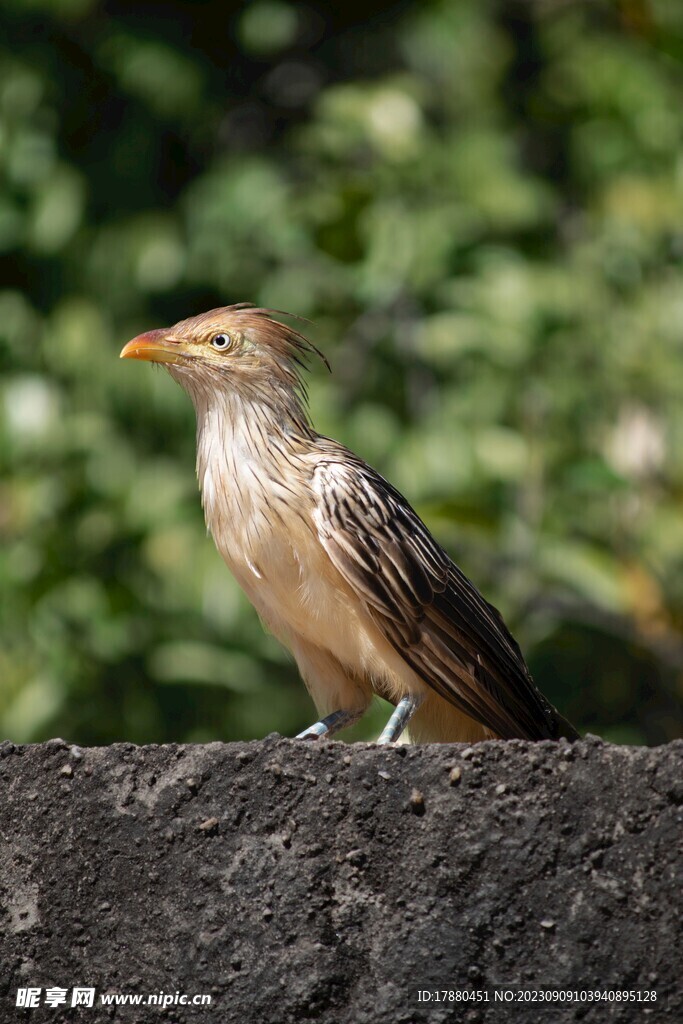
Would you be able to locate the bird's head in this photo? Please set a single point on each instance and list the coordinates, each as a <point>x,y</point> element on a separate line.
<point>240,350</point>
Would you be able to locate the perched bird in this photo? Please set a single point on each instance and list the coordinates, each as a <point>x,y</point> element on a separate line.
<point>336,562</point>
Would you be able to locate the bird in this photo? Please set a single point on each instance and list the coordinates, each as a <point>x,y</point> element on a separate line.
<point>336,562</point>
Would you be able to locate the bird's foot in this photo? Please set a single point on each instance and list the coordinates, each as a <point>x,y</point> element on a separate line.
<point>329,725</point>
<point>403,712</point>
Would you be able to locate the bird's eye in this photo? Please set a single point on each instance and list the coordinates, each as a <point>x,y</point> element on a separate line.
<point>221,341</point>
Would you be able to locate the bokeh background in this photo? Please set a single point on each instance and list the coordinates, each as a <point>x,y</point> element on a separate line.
<point>479,205</point>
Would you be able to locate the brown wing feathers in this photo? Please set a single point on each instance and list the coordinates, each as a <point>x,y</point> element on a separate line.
<point>428,610</point>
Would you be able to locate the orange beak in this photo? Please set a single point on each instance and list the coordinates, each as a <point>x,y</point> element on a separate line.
<point>155,347</point>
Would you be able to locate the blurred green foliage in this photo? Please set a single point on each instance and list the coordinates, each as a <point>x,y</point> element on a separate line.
<point>480,206</point>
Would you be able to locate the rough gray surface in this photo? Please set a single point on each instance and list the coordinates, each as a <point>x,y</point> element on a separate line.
<point>300,882</point>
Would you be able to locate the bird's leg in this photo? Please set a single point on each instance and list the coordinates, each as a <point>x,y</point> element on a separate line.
<point>330,724</point>
<point>403,712</point>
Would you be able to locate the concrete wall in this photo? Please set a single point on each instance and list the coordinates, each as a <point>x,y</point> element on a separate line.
<point>295,882</point>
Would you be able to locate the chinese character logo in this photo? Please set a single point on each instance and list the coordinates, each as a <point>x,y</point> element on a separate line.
<point>83,997</point>
<point>55,997</point>
<point>28,997</point>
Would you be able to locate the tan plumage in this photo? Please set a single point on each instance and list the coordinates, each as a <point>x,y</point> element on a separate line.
<point>338,565</point>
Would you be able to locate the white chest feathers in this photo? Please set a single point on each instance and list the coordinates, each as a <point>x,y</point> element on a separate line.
<point>259,504</point>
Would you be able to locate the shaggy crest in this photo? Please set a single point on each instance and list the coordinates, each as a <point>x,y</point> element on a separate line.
<point>288,346</point>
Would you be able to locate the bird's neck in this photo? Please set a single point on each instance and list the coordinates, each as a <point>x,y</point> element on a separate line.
<point>243,443</point>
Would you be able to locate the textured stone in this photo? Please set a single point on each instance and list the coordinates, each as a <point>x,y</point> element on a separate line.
<point>295,881</point>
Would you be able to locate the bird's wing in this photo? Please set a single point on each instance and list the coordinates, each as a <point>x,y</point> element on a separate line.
<point>424,605</point>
